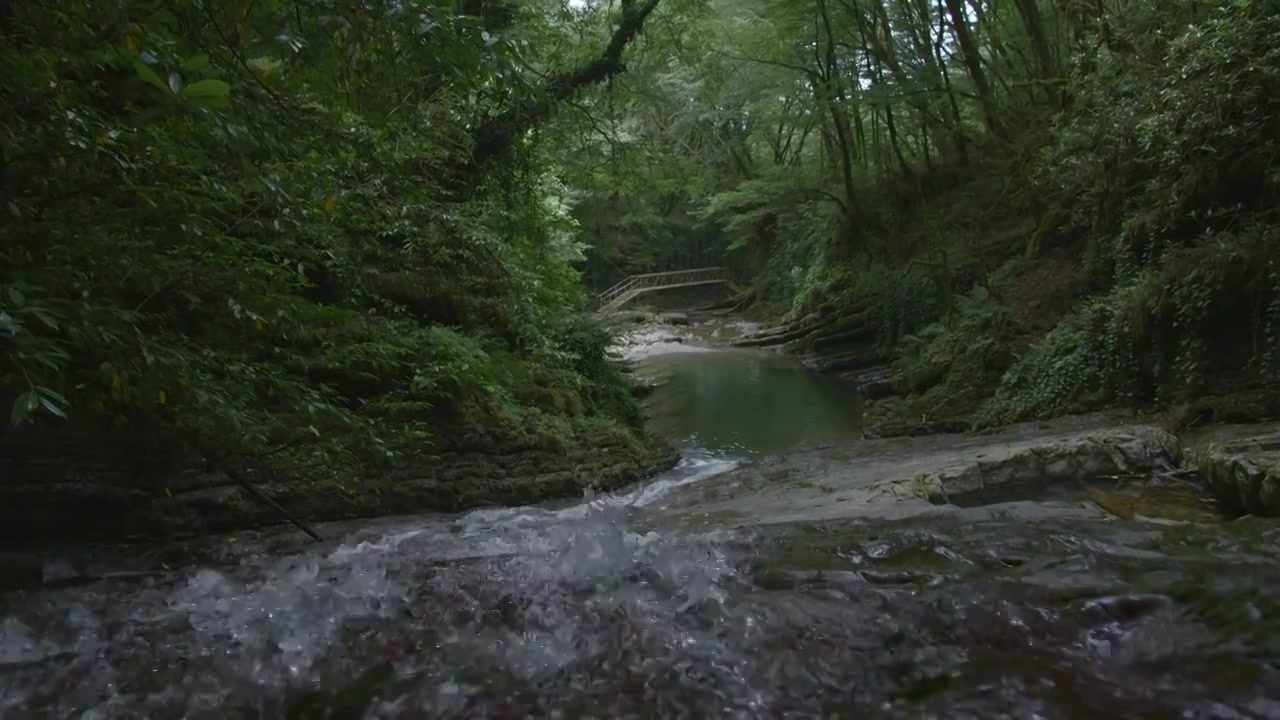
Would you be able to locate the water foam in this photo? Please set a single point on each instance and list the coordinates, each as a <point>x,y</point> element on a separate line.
<point>234,633</point>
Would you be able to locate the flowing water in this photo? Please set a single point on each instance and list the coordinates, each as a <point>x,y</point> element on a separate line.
<point>610,608</point>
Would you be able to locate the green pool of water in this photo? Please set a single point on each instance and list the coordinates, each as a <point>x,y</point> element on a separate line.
<point>748,402</point>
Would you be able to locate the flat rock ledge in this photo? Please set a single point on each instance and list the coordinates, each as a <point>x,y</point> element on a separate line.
<point>205,503</point>
<point>1131,450</point>
<point>904,477</point>
<point>1244,472</point>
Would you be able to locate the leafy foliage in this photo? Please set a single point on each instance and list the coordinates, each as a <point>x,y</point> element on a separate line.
<point>970,350</point>
<point>889,155</point>
<point>1174,186</point>
<point>246,222</point>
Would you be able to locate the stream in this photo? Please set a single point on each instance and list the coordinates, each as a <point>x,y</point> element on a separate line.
<point>747,403</point>
<point>622,606</point>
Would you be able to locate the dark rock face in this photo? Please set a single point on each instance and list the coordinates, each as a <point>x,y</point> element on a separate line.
<point>1137,449</point>
<point>92,503</point>
<point>1244,472</point>
<point>643,388</point>
<point>874,383</point>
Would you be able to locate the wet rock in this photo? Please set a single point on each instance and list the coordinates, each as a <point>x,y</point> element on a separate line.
<point>1135,449</point>
<point>673,318</point>
<point>20,570</point>
<point>842,578</point>
<point>874,383</point>
<point>861,359</point>
<point>643,387</point>
<point>191,481</point>
<point>474,470</point>
<point>634,317</point>
<point>890,577</point>
<point>30,512</point>
<point>1245,407</point>
<point>1068,583</point>
<point>774,578</point>
<point>1126,608</point>
<point>916,429</point>
<point>1028,511</point>
<point>887,417</point>
<point>1025,473</point>
<point>1265,708</point>
<point>1244,473</point>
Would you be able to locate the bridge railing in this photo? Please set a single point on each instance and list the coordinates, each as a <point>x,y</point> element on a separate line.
<point>637,284</point>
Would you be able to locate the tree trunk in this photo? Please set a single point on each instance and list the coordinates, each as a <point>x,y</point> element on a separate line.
<point>833,95</point>
<point>973,64</point>
<point>1034,24</point>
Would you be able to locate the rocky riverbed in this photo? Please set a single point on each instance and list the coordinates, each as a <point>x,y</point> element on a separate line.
<point>723,589</point>
<point>1079,568</point>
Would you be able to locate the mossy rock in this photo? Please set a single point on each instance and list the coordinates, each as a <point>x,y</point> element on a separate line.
<point>1244,474</point>
<point>1128,450</point>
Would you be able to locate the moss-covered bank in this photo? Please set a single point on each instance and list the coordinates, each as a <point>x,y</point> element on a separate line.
<point>1117,250</point>
<point>304,246</point>
<point>87,491</point>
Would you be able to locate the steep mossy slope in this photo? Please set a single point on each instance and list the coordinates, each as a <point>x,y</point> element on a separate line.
<point>252,242</point>
<point>995,210</point>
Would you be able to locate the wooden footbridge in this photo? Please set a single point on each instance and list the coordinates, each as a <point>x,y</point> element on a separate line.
<point>636,285</point>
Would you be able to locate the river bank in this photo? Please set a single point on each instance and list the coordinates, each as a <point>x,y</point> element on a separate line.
<point>88,485</point>
<point>872,468</point>
<point>623,602</point>
<point>92,483</point>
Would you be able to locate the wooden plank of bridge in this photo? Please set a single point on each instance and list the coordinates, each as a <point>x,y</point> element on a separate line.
<point>636,285</point>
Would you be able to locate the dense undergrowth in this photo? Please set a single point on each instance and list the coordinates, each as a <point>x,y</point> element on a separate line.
<point>249,231</point>
<point>1168,170</point>
<point>1037,209</point>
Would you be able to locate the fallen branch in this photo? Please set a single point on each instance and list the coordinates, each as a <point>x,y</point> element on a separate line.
<point>271,503</point>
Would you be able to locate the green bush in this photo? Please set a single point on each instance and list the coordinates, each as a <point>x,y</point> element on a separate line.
<point>953,362</point>
<point>1163,336</point>
<point>1167,165</point>
<point>256,241</point>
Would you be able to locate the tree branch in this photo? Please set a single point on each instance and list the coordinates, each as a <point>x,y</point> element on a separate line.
<point>498,134</point>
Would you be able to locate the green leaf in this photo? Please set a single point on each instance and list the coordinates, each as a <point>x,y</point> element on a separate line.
<point>16,295</point>
<point>45,360</point>
<point>207,89</point>
<point>151,77</point>
<point>265,65</point>
<point>53,409</point>
<point>52,395</point>
<point>208,93</point>
<point>26,403</point>
<point>213,102</point>
<point>175,82</point>
<point>45,318</point>
<point>199,61</point>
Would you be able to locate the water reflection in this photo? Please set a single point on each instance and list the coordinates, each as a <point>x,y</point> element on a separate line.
<point>748,402</point>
